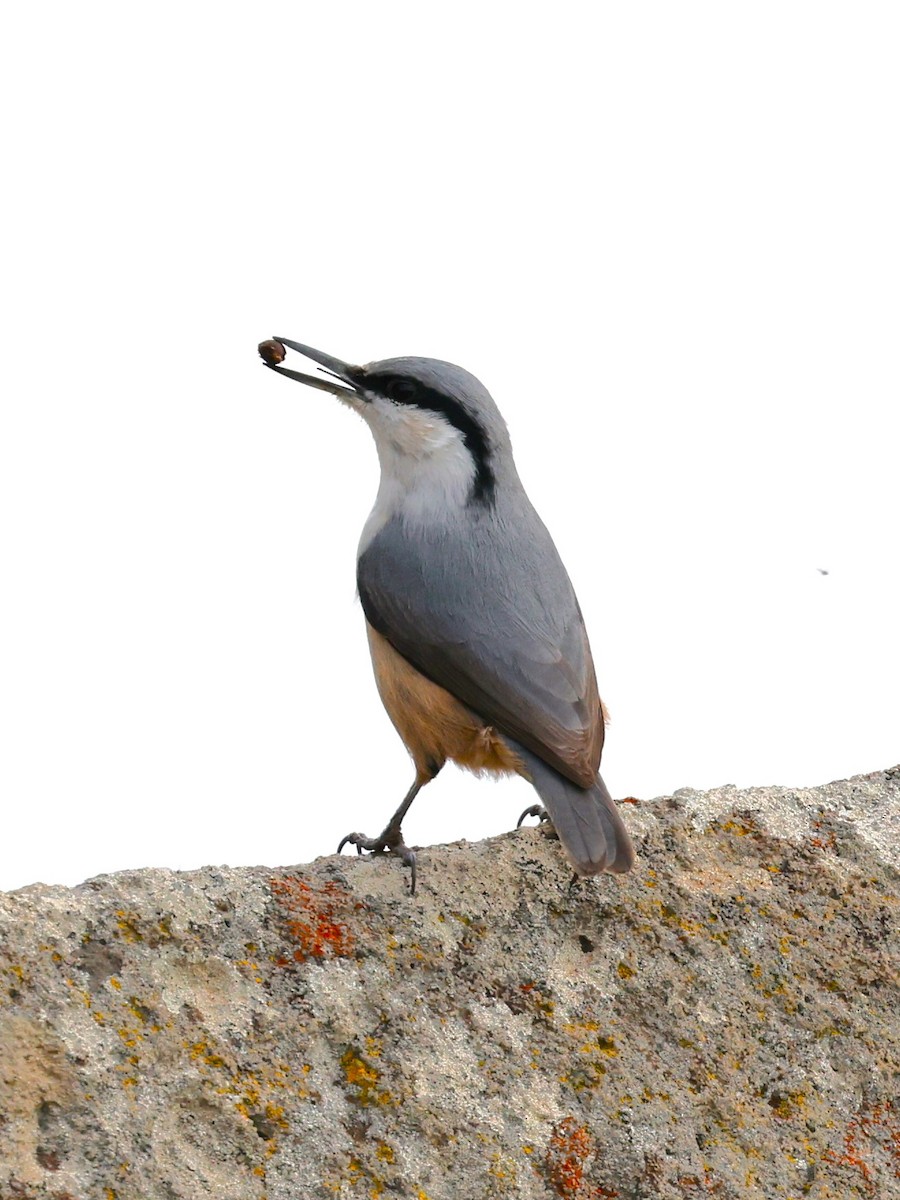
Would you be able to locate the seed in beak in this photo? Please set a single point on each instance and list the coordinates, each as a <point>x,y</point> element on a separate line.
<point>271,352</point>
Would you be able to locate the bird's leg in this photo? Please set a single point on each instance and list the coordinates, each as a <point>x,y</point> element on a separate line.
<point>390,840</point>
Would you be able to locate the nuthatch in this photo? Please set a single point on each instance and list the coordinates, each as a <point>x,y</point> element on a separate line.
<point>477,641</point>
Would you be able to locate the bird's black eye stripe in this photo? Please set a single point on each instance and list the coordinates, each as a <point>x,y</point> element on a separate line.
<point>402,390</point>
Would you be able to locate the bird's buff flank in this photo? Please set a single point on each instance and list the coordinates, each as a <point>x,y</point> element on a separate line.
<point>477,641</point>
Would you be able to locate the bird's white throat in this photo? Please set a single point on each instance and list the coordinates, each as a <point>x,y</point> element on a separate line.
<point>427,472</point>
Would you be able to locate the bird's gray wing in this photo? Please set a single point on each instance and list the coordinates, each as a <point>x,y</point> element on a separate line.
<point>487,611</point>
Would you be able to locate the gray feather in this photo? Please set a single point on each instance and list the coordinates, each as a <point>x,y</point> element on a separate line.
<point>485,609</point>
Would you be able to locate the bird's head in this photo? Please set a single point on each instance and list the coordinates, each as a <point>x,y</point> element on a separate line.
<point>427,416</point>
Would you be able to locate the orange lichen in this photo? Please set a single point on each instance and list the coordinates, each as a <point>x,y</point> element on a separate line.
<point>879,1125</point>
<point>570,1146</point>
<point>538,1000</point>
<point>827,841</point>
<point>311,919</point>
<point>709,1185</point>
<point>569,1149</point>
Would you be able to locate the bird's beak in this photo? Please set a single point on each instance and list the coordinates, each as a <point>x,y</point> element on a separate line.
<point>339,371</point>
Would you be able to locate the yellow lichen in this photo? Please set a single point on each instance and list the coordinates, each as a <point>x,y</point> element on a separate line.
<point>201,1051</point>
<point>127,923</point>
<point>364,1078</point>
<point>786,1104</point>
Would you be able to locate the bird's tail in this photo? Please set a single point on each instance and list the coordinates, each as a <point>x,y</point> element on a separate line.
<point>592,833</point>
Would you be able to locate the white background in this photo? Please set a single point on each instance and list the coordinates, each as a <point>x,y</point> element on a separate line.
<point>666,238</point>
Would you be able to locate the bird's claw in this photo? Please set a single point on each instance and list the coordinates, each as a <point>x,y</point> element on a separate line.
<point>389,842</point>
<point>544,823</point>
<point>533,810</point>
<point>361,842</point>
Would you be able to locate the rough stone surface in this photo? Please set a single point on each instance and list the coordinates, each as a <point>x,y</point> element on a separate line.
<point>723,1022</point>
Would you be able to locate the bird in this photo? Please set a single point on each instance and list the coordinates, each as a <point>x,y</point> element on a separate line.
<point>477,640</point>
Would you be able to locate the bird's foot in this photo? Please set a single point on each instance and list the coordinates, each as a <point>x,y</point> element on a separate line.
<point>533,810</point>
<point>389,841</point>
<point>544,822</point>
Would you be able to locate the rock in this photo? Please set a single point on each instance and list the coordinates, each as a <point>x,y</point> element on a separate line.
<point>723,1022</point>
